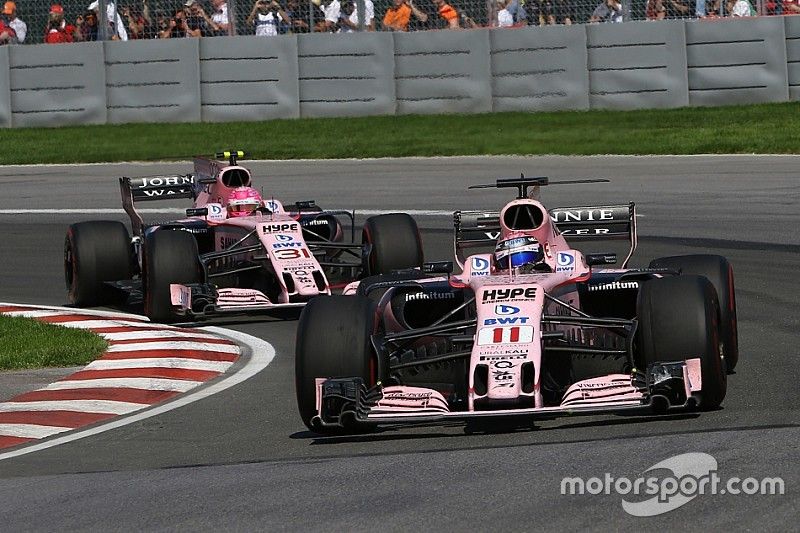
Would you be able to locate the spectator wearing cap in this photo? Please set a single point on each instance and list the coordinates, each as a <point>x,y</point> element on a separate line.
<point>57,30</point>
<point>86,26</point>
<point>19,27</point>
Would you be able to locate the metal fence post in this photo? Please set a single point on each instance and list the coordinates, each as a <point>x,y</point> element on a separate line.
<point>102,20</point>
<point>232,18</point>
<point>361,9</point>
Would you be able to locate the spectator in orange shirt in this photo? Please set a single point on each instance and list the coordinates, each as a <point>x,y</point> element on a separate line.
<point>448,14</point>
<point>397,16</point>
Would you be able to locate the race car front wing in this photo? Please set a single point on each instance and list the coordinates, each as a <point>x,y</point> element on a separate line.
<point>347,402</point>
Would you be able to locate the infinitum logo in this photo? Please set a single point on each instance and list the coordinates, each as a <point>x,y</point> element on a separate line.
<point>656,492</point>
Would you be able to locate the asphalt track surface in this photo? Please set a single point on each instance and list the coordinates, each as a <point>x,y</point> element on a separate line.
<point>242,460</point>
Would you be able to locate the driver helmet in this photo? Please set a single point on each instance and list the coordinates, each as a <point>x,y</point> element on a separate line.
<point>243,201</point>
<point>517,252</point>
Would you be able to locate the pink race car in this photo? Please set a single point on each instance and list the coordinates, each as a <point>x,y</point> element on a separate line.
<point>533,329</point>
<point>233,253</point>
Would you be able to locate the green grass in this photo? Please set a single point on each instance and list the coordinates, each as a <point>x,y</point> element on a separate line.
<point>765,128</point>
<point>27,343</point>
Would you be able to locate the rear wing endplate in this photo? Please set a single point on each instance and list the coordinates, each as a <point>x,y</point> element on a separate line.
<point>576,224</point>
<point>148,188</point>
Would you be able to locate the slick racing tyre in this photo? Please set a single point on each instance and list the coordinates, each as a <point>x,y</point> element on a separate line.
<point>719,272</point>
<point>94,253</point>
<point>170,256</point>
<point>333,341</point>
<point>395,241</point>
<point>678,320</point>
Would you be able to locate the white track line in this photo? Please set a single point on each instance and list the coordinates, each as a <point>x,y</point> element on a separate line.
<point>30,431</point>
<point>97,324</point>
<point>160,362</point>
<point>174,345</point>
<point>162,384</point>
<point>262,354</point>
<point>111,407</point>
<point>39,313</point>
<point>153,334</point>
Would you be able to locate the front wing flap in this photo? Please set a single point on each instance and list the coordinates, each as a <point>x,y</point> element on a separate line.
<point>347,402</point>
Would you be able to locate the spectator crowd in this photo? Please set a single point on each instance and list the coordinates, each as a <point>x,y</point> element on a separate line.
<point>265,18</point>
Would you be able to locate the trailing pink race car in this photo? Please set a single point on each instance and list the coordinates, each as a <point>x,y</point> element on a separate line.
<point>233,253</point>
<point>533,329</point>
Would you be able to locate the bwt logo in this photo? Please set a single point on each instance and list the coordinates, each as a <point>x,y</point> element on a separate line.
<point>283,238</point>
<point>494,295</point>
<point>505,310</point>
<point>505,320</point>
<point>480,266</point>
<point>565,262</point>
<point>275,228</point>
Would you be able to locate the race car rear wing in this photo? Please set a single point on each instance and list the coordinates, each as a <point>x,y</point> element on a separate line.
<point>148,188</point>
<point>577,224</point>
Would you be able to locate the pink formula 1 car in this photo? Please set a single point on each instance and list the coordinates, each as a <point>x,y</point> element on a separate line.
<point>534,329</point>
<point>233,253</point>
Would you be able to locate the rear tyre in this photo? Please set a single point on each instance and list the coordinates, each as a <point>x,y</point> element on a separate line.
<point>678,320</point>
<point>395,241</point>
<point>719,272</point>
<point>170,256</point>
<point>94,253</point>
<point>333,341</point>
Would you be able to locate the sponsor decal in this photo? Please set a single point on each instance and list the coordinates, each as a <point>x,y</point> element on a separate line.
<point>227,242</point>
<point>430,296</point>
<point>494,235</point>
<point>505,335</point>
<point>273,206</point>
<point>582,215</point>
<point>277,245</point>
<point>504,357</point>
<point>614,285</point>
<point>565,262</point>
<point>280,228</point>
<point>516,293</point>
<point>586,231</point>
<point>506,320</point>
<point>505,310</point>
<point>501,351</point>
<point>284,238</point>
<point>315,222</point>
<point>292,253</point>
<point>480,266</point>
<point>165,181</point>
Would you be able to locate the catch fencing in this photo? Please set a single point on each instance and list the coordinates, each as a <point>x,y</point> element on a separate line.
<point>623,66</point>
<point>90,20</point>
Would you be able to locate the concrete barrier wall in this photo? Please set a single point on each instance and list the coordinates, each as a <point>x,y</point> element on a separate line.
<point>610,66</point>
<point>736,61</point>
<point>247,78</point>
<point>5,90</point>
<point>643,66</point>
<point>793,56</point>
<point>346,74</point>
<point>539,69</point>
<point>151,81</point>
<point>57,85</point>
<point>444,72</point>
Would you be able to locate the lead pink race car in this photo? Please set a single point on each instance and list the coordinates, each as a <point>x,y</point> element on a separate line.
<point>234,252</point>
<point>532,329</point>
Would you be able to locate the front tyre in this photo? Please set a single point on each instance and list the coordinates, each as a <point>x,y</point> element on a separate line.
<point>170,256</point>
<point>95,253</point>
<point>396,244</point>
<point>678,320</point>
<point>719,272</point>
<point>333,341</point>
